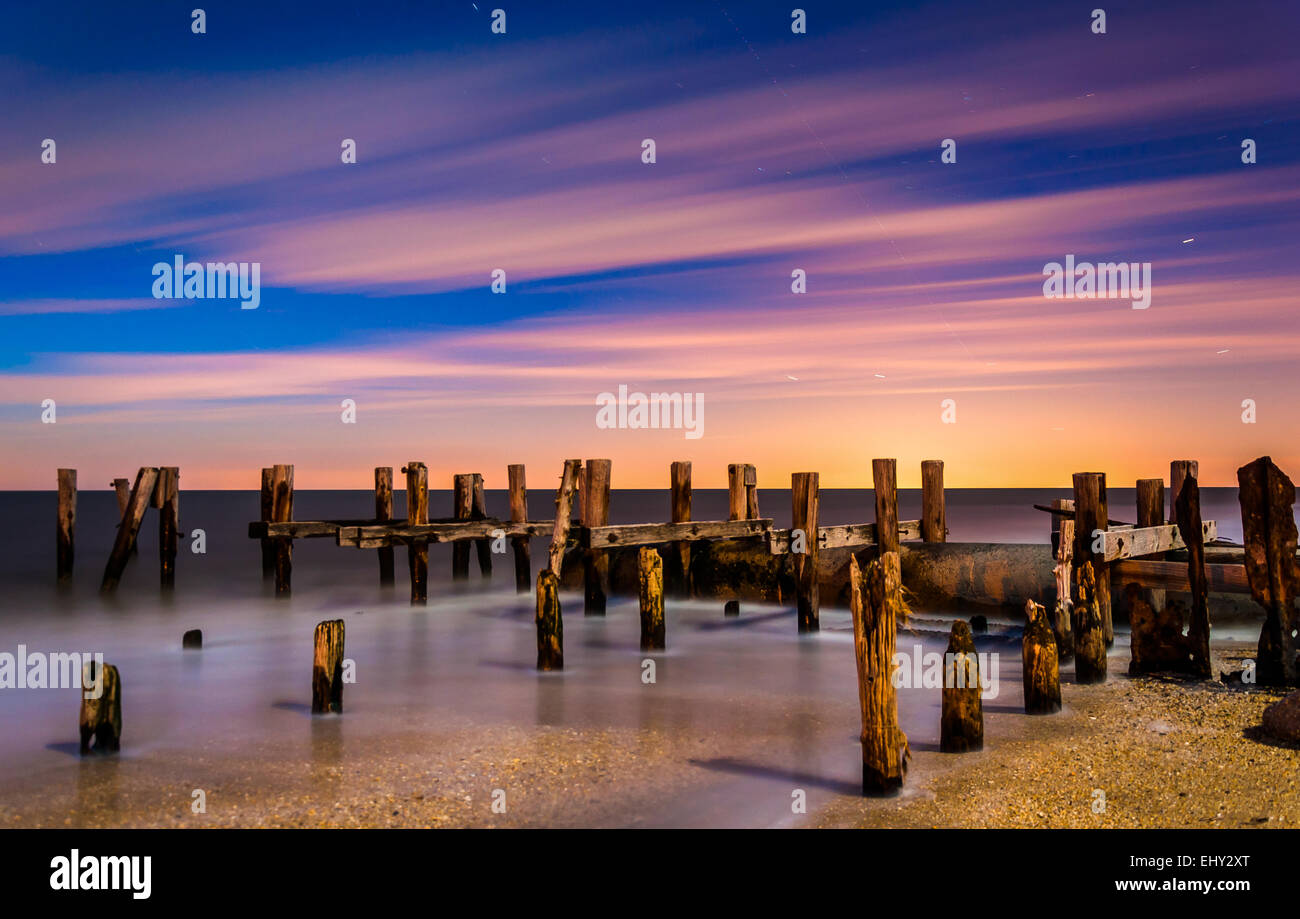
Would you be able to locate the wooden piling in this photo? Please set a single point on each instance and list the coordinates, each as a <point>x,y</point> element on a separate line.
<point>478,511</point>
<point>462,509</point>
<point>563,513</point>
<point>141,494</point>
<point>66,525</point>
<point>650,568</point>
<point>961,725</point>
<point>1151,513</point>
<point>1062,614</point>
<point>383,514</point>
<point>268,514</point>
<point>736,498</point>
<point>1091,514</point>
<point>1267,496</point>
<point>327,668</point>
<point>595,509</point>
<point>885,750</point>
<point>884,480</point>
<point>934,517</point>
<point>680,487</point>
<point>519,514</point>
<point>1188,510</point>
<point>1179,472</point>
<point>731,608</point>
<point>169,521</point>
<point>804,493</point>
<point>1089,638</point>
<point>101,717</point>
<point>282,512</point>
<point>1040,663</point>
<point>192,640</point>
<point>550,623</point>
<point>123,489</point>
<point>751,492</point>
<point>417,513</point>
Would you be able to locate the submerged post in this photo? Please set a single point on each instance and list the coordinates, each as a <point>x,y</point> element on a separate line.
<point>885,750</point>
<point>123,489</point>
<point>1267,496</point>
<point>595,513</point>
<point>1040,663</point>
<point>66,524</point>
<point>167,492</point>
<point>327,668</point>
<point>519,514</point>
<point>680,481</point>
<point>650,569</point>
<point>934,518</point>
<point>268,514</point>
<point>804,495</point>
<point>884,479</point>
<point>462,509</point>
<point>417,514</point>
<point>383,514</point>
<point>1151,513</point>
<point>1090,516</point>
<point>282,512</point>
<point>141,493</point>
<point>478,510</point>
<point>101,715</point>
<point>961,724</point>
<point>550,622</point>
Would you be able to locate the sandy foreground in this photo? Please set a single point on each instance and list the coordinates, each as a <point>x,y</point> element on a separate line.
<point>1155,752</point>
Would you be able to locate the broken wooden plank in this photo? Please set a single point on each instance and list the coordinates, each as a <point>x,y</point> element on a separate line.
<point>649,534</point>
<point>141,493</point>
<point>371,535</point>
<point>1136,543</point>
<point>845,536</point>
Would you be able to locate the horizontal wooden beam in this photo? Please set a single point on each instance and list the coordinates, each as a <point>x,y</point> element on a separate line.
<point>844,536</point>
<point>649,534</point>
<point>377,535</point>
<point>1229,579</point>
<point>1137,542</point>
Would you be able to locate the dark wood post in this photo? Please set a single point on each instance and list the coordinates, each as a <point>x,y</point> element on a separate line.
<point>462,509</point>
<point>751,492</point>
<point>804,493</point>
<point>650,568</point>
<point>550,621</point>
<point>680,480</point>
<point>123,489</point>
<point>934,518</point>
<point>736,507</point>
<point>169,522</point>
<point>417,514</point>
<point>268,514</point>
<point>1091,514</point>
<point>327,668</point>
<point>1267,496</point>
<point>519,514</point>
<point>483,547</point>
<point>595,509</point>
<point>1151,513</point>
<point>1062,614</point>
<point>1040,663</point>
<point>884,479</point>
<point>141,494</point>
<point>282,512</point>
<point>1179,472</point>
<point>66,524</point>
<point>961,724</point>
<point>885,750</point>
<point>563,515</point>
<point>1089,639</point>
<point>101,717</point>
<point>383,514</point>
<point>1188,510</point>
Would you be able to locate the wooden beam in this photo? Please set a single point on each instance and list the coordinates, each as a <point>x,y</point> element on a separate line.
<point>519,514</point>
<point>398,533</point>
<point>651,534</point>
<point>141,493</point>
<point>66,525</point>
<point>844,536</point>
<point>1156,540</point>
<point>934,517</point>
<point>1163,575</point>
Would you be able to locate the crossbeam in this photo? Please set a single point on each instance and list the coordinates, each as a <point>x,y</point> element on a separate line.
<point>649,534</point>
<point>844,536</point>
<point>374,535</point>
<point>1139,541</point>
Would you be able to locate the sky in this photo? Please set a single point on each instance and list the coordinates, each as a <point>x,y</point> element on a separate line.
<point>923,333</point>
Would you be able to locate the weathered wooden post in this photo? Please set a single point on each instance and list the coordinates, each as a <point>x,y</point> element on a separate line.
<point>736,491</point>
<point>519,514</point>
<point>680,481</point>
<point>885,750</point>
<point>417,514</point>
<point>1062,610</point>
<point>550,622</point>
<point>804,493</point>
<point>130,527</point>
<point>327,668</point>
<point>884,480</point>
<point>101,715</point>
<point>462,509</point>
<point>1267,496</point>
<point>268,514</point>
<point>731,608</point>
<point>1091,515</point>
<point>383,514</point>
<point>1151,513</point>
<point>66,524</point>
<point>650,568</point>
<point>1188,510</point>
<point>751,492</point>
<point>1089,639</point>
<point>282,512</point>
<point>167,492</point>
<point>192,640</point>
<point>961,726</point>
<point>1040,663</point>
<point>1179,472</point>
<point>934,517</point>
<point>478,511</point>
<point>595,511</point>
<point>123,489</point>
